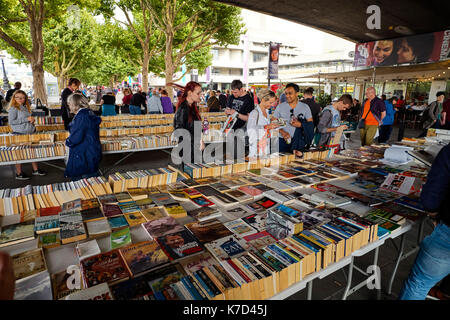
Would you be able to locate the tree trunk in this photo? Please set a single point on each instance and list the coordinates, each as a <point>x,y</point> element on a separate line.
<point>39,83</point>
<point>144,71</point>
<point>169,63</point>
<point>61,82</point>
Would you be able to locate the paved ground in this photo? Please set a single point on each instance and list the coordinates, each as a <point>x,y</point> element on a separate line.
<point>331,287</point>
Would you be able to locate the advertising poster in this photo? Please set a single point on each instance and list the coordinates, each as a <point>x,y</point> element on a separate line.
<point>429,47</point>
<point>274,50</point>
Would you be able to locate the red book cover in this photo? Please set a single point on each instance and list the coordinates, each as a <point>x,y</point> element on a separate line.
<point>238,270</point>
<point>51,211</point>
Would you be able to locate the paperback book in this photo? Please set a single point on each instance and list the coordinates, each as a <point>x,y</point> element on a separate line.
<point>104,267</point>
<point>208,231</point>
<point>179,244</point>
<point>143,256</point>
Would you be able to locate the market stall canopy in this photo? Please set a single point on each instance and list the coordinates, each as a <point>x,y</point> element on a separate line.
<point>348,19</point>
<point>435,70</point>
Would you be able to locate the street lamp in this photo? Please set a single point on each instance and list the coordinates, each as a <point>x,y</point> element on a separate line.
<point>6,85</point>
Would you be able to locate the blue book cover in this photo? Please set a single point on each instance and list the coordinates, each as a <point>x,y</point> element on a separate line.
<point>305,244</point>
<point>282,253</point>
<point>337,230</point>
<point>203,284</point>
<point>117,222</point>
<point>190,287</point>
<point>382,232</point>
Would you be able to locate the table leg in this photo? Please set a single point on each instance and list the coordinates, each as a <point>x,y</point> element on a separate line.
<point>399,258</point>
<point>375,263</point>
<point>349,280</point>
<point>310,286</point>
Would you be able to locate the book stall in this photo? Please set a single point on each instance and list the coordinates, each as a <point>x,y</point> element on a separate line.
<point>259,229</point>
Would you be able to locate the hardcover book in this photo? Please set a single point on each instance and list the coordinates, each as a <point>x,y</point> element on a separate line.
<point>143,256</point>
<point>71,227</point>
<point>202,201</point>
<point>98,228</point>
<point>179,244</point>
<point>92,214</point>
<point>134,218</point>
<point>163,226</point>
<point>16,233</point>
<point>240,228</point>
<point>104,267</point>
<point>28,263</point>
<point>120,238</point>
<point>117,222</point>
<point>226,248</point>
<point>49,240</point>
<point>204,213</point>
<point>46,224</point>
<point>208,231</point>
<point>35,287</point>
<point>87,249</point>
<point>111,210</point>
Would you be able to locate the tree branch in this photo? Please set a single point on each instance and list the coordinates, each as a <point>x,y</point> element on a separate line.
<point>16,45</point>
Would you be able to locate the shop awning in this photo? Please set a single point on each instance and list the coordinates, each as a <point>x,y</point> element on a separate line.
<point>347,19</point>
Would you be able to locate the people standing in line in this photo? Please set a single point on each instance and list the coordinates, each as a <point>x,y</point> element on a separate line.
<point>72,86</point>
<point>313,105</point>
<point>259,126</point>
<point>137,100</point>
<point>166,103</point>
<point>330,119</point>
<point>222,99</point>
<point>85,149</point>
<point>388,121</point>
<point>289,111</point>
<point>213,103</point>
<point>108,103</point>
<point>21,122</point>
<point>432,262</point>
<point>154,103</point>
<point>10,92</point>
<point>374,110</point>
<point>186,114</point>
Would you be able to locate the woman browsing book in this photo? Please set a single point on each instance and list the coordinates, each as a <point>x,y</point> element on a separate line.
<point>186,115</point>
<point>85,150</point>
<point>259,126</point>
<point>21,122</point>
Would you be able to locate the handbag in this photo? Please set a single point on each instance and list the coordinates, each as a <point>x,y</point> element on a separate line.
<point>362,122</point>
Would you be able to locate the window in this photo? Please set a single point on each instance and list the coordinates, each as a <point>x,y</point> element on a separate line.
<point>215,54</point>
<point>258,57</point>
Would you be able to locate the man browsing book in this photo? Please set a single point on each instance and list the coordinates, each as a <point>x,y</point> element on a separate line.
<point>374,110</point>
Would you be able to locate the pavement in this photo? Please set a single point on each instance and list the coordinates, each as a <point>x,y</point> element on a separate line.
<point>330,288</point>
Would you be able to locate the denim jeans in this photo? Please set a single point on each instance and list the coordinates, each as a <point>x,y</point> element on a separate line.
<point>135,110</point>
<point>431,266</point>
<point>385,133</point>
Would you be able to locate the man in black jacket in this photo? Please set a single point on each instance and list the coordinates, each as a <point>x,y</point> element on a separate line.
<point>10,92</point>
<point>433,260</point>
<point>314,106</point>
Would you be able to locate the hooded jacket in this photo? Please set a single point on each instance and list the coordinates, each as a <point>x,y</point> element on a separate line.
<point>84,144</point>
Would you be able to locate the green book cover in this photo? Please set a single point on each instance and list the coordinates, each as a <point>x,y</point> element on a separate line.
<point>120,238</point>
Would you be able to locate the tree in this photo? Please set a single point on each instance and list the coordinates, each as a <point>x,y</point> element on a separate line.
<point>138,21</point>
<point>190,27</point>
<point>70,48</point>
<point>15,15</point>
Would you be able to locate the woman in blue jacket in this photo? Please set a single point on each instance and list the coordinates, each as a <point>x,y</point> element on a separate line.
<point>388,120</point>
<point>85,150</point>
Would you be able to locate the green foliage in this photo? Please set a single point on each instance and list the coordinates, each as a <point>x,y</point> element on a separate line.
<point>324,100</point>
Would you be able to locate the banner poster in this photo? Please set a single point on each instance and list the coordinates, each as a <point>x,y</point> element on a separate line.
<point>274,50</point>
<point>428,47</point>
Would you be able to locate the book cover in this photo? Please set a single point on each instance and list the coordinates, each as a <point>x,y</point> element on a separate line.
<point>240,228</point>
<point>191,193</point>
<point>175,210</point>
<point>250,190</point>
<point>131,289</point>
<point>179,244</point>
<point>71,205</point>
<point>266,203</point>
<point>28,263</point>
<point>128,207</point>
<point>239,195</point>
<point>226,248</point>
<point>89,204</point>
<point>399,184</point>
<point>107,199</point>
<point>143,256</point>
<point>59,285</point>
<point>162,199</point>
<point>49,240</point>
<point>235,212</point>
<point>46,224</point>
<point>36,287</point>
<point>137,193</point>
<point>153,213</point>
<point>257,221</point>
<point>197,262</point>
<point>207,231</point>
<point>104,267</point>
<point>111,210</point>
<point>91,214</point>
<point>162,226</point>
<point>259,240</point>
<point>202,201</point>
<point>204,213</point>
<point>117,222</point>
<point>134,218</point>
<point>145,203</point>
<point>97,292</point>
<point>120,238</point>
<point>16,233</point>
<point>123,197</point>
<point>98,228</point>
<point>71,227</point>
<point>43,212</point>
<point>164,277</point>
<point>87,249</point>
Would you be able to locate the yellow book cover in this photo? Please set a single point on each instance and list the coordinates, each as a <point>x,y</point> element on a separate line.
<point>134,218</point>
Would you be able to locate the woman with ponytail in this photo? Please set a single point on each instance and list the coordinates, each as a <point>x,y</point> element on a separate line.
<point>187,113</point>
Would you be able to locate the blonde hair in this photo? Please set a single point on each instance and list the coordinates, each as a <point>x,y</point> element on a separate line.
<point>15,104</point>
<point>265,94</point>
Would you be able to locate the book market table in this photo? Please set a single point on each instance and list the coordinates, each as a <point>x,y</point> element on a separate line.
<point>349,261</point>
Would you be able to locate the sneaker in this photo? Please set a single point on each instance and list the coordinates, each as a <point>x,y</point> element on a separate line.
<point>39,172</point>
<point>22,176</point>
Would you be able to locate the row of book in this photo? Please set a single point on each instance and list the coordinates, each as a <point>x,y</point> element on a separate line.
<point>274,237</point>
<point>39,128</point>
<point>136,143</point>
<point>121,182</point>
<point>25,152</point>
<point>48,120</point>
<point>156,116</point>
